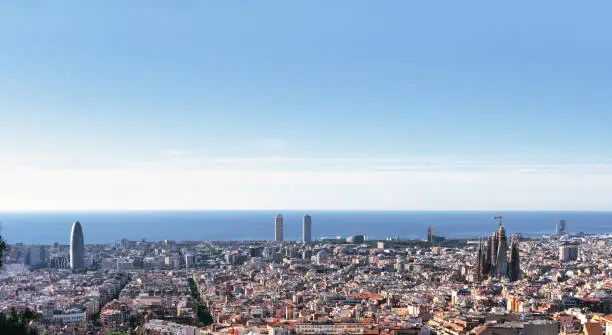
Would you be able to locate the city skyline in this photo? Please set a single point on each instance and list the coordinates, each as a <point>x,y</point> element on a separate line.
<point>455,158</point>
<point>200,106</point>
<point>47,228</point>
<point>440,284</point>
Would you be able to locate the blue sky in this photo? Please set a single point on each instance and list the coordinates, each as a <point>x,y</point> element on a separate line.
<point>472,94</point>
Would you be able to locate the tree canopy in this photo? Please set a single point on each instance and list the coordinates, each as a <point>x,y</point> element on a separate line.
<point>17,323</point>
<point>2,248</point>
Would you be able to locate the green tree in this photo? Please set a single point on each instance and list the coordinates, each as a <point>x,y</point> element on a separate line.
<point>204,316</point>
<point>2,248</point>
<point>17,323</point>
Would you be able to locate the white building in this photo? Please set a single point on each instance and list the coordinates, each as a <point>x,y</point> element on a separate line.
<point>278,331</point>
<point>569,252</point>
<point>69,318</point>
<point>173,261</point>
<point>170,328</point>
<point>322,257</point>
<point>335,328</point>
<point>190,260</point>
<point>608,322</point>
<point>125,264</point>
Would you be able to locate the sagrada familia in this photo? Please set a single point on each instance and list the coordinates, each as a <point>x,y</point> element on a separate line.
<point>496,259</point>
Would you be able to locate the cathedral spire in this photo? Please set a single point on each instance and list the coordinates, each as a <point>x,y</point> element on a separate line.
<point>495,258</point>
<point>514,266</point>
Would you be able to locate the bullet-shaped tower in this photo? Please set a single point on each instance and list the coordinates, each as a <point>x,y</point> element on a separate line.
<point>77,247</point>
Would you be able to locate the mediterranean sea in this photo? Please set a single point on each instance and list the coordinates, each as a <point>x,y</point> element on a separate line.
<point>109,227</point>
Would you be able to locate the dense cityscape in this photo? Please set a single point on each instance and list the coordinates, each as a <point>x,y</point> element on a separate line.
<point>305,167</point>
<point>555,284</point>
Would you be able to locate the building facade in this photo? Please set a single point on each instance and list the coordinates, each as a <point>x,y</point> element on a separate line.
<point>495,259</point>
<point>306,229</point>
<point>77,247</point>
<point>278,228</point>
<point>332,328</point>
<point>561,228</point>
<point>569,252</point>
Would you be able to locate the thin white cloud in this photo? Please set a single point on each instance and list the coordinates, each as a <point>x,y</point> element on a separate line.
<point>178,188</point>
<point>189,179</point>
<point>199,161</point>
<point>181,159</point>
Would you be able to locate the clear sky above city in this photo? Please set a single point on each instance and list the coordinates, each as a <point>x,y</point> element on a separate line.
<point>413,105</point>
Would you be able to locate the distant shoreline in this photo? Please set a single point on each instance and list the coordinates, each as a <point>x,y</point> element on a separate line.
<point>108,227</point>
<point>187,211</point>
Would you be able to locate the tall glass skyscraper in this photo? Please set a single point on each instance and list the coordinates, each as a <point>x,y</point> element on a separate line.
<point>278,228</point>
<point>306,229</point>
<point>77,247</point>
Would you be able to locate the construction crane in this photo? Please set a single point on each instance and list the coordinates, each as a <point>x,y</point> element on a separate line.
<point>500,218</point>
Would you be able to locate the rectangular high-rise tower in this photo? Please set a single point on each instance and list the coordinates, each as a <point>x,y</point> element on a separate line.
<point>569,252</point>
<point>278,228</point>
<point>306,229</point>
<point>561,228</point>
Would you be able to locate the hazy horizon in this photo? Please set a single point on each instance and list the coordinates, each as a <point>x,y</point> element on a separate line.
<point>106,227</point>
<point>305,211</point>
